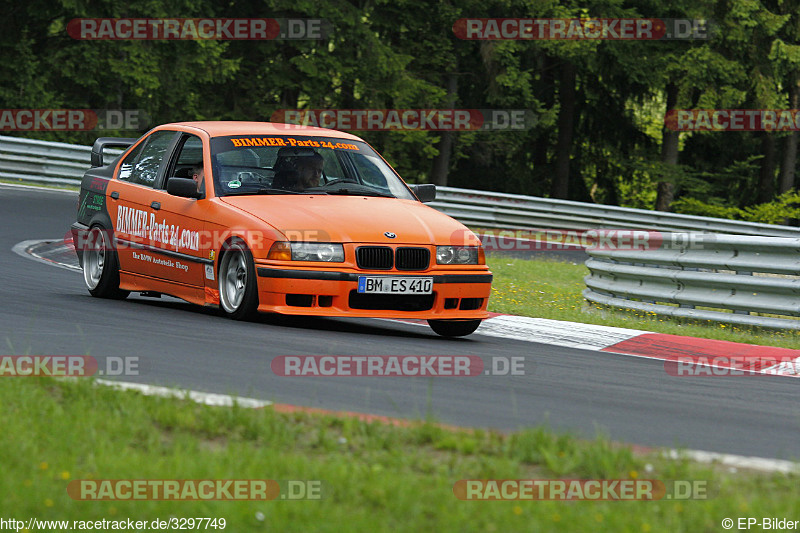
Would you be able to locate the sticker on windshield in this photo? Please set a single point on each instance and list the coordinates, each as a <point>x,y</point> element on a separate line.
<point>235,184</point>
<point>292,142</point>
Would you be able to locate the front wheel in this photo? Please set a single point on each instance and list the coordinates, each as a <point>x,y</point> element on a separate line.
<point>238,289</point>
<point>101,266</point>
<point>454,328</point>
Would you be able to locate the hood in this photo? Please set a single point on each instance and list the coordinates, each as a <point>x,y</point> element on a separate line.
<point>363,219</point>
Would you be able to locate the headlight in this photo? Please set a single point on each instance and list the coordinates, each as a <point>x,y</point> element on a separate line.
<point>459,255</point>
<point>317,251</point>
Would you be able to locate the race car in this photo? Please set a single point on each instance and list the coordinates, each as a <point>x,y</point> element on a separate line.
<point>274,218</point>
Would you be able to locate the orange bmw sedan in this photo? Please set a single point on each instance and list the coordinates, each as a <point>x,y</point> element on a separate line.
<point>276,218</point>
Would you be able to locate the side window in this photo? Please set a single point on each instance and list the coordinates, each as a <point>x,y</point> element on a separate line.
<point>191,152</point>
<point>190,162</point>
<point>369,172</point>
<point>130,160</point>
<point>141,165</point>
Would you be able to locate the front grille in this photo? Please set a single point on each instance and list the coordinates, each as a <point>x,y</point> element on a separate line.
<point>391,302</point>
<point>374,257</point>
<point>413,258</point>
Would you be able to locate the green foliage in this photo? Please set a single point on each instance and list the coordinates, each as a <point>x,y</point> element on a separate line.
<point>695,206</point>
<point>786,206</point>
<point>403,55</point>
<point>637,188</point>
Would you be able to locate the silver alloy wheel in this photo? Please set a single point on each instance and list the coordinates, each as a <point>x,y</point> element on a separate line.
<point>232,280</point>
<point>94,258</point>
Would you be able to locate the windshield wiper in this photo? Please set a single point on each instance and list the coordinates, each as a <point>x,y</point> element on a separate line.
<point>263,190</point>
<point>361,192</point>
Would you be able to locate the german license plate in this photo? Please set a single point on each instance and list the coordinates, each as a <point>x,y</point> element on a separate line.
<point>394,285</point>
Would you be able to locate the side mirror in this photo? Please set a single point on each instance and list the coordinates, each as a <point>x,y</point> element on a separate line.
<point>183,187</point>
<point>426,192</point>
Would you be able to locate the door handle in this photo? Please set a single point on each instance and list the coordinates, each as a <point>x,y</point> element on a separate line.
<point>155,205</point>
<point>115,195</point>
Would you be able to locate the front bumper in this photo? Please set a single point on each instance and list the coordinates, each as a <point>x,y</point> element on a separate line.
<point>457,294</point>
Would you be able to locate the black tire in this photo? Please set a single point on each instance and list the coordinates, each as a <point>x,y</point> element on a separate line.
<point>238,287</point>
<point>454,328</point>
<point>101,265</point>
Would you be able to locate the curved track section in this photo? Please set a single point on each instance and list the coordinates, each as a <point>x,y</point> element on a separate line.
<point>47,310</point>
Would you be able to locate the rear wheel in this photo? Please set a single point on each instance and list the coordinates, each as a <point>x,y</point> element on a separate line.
<point>454,328</point>
<point>238,289</point>
<point>101,266</point>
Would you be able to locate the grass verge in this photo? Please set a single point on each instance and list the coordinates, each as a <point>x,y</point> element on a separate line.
<point>552,289</point>
<point>376,477</point>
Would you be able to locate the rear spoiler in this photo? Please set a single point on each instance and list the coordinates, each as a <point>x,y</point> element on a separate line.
<point>102,142</point>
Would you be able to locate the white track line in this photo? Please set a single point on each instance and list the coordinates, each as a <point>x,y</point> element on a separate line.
<point>21,249</point>
<point>556,332</point>
<point>736,461</point>
<point>36,188</point>
<point>206,398</point>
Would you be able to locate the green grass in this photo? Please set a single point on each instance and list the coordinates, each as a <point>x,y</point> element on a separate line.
<point>377,477</point>
<point>552,289</point>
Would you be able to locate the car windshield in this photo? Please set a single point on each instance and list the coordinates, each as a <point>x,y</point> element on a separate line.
<point>292,164</point>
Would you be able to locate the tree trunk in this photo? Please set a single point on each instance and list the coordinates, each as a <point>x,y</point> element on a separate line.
<point>441,163</point>
<point>665,194</point>
<point>766,177</point>
<point>544,89</point>
<point>540,163</point>
<point>790,144</point>
<point>566,125</point>
<point>577,186</point>
<point>665,190</point>
<point>289,98</point>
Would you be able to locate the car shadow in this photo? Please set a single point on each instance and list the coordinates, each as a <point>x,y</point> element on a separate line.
<point>300,322</point>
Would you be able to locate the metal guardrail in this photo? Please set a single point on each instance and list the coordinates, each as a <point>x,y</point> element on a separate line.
<point>44,161</point>
<point>745,275</point>
<point>512,211</point>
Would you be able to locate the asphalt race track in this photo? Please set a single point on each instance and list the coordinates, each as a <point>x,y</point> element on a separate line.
<point>47,311</point>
